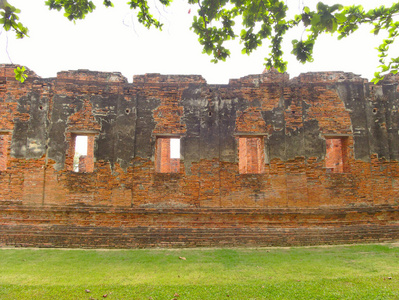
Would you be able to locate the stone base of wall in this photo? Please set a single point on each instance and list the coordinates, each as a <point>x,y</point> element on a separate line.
<point>90,227</point>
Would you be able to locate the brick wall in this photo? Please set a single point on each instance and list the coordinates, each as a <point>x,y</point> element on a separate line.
<point>264,160</point>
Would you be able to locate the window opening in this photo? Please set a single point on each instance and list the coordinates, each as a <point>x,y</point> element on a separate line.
<point>3,152</point>
<point>83,160</point>
<point>251,155</point>
<point>336,156</point>
<point>168,155</point>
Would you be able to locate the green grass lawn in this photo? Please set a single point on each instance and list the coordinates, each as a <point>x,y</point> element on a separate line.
<point>338,272</point>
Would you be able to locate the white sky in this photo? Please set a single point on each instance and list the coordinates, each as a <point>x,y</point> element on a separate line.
<point>81,145</point>
<point>174,148</point>
<point>112,40</point>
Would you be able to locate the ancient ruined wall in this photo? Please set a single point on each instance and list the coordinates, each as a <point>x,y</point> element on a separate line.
<point>264,160</point>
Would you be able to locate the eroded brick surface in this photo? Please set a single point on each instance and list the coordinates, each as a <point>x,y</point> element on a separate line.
<point>254,169</point>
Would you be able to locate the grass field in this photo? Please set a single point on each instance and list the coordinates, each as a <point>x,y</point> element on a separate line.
<point>338,272</point>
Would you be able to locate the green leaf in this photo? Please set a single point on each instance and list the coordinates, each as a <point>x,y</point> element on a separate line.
<point>341,17</point>
<point>20,74</point>
<point>315,20</point>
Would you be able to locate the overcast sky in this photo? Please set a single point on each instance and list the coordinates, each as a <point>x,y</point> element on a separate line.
<point>112,40</point>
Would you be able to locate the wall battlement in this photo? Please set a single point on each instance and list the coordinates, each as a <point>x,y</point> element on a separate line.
<point>263,160</point>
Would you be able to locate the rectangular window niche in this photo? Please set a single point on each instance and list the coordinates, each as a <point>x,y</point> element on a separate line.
<point>251,155</point>
<point>83,153</point>
<point>336,154</point>
<point>4,138</point>
<point>167,155</point>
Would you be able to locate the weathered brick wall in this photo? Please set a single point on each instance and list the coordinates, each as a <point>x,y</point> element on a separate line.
<point>264,160</point>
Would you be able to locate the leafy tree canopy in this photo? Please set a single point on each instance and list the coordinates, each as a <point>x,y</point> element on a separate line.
<point>261,20</point>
